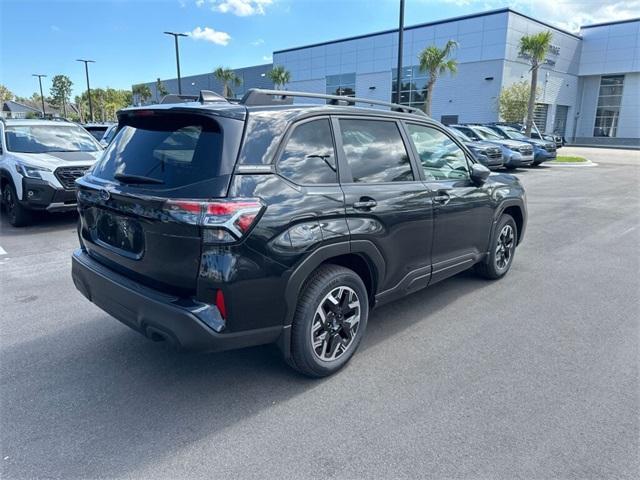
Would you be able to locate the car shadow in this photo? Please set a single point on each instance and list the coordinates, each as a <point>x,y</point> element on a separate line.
<point>97,391</point>
<point>43,222</point>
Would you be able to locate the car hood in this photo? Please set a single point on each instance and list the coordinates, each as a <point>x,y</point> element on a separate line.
<point>512,144</point>
<point>58,159</point>
<point>481,144</point>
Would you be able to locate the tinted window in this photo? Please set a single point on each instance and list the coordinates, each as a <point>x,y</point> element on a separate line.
<point>375,151</point>
<point>441,158</point>
<point>174,150</point>
<point>309,157</point>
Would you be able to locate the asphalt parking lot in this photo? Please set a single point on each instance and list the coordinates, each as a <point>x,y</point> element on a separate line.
<point>535,376</point>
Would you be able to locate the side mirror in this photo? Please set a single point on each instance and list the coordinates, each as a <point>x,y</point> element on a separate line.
<point>479,173</point>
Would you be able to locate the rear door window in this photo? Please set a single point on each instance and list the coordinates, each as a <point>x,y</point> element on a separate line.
<point>309,156</point>
<point>166,150</point>
<point>374,151</point>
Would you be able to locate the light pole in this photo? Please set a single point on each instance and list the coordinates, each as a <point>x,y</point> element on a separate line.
<point>400,36</point>
<point>86,71</point>
<point>41,94</point>
<point>175,37</point>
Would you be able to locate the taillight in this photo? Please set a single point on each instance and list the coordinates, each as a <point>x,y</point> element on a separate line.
<point>225,221</point>
<point>222,308</point>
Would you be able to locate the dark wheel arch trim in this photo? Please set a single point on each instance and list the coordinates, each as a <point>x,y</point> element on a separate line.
<point>321,255</point>
<point>508,204</point>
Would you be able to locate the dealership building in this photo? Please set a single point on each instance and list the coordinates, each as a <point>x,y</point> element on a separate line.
<point>589,85</point>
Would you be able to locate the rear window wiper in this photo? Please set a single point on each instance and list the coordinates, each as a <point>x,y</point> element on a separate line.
<point>127,178</point>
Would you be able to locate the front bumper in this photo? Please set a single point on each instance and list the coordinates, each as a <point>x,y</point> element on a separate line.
<point>516,159</point>
<point>185,323</point>
<point>40,195</point>
<point>544,155</point>
<point>490,162</point>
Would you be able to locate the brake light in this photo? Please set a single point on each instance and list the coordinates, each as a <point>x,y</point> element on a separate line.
<point>226,220</point>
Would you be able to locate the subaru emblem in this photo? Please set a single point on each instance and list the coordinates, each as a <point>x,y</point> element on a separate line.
<point>105,195</point>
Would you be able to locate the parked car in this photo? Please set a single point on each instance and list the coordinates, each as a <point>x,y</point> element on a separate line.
<point>108,135</point>
<point>487,153</point>
<point>216,225</point>
<point>96,129</point>
<point>515,154</point>
<point>542,150</point>
<point>535,133</point>
<point>39,163</point>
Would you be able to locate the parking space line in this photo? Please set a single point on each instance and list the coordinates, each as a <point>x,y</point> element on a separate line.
<point>2,251</point>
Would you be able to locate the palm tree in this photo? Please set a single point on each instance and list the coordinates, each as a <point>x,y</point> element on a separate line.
<point>142,91</point>
<point>435,61</point>
<point>227,77</point>
<point>534,47</point>
<point>280,76</point>
<point>161,90</point>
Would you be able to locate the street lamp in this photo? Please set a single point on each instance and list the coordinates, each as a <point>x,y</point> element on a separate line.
<point>175,37</point>
<point>86,71</point>
<point>41,94</point>
<point>400,35</point>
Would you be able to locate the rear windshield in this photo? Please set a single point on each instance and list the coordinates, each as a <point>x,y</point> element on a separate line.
<point>168,150</point>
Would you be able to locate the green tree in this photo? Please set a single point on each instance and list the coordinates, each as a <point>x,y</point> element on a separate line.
<point>142,92</point>
<point>161,90</point>
<point>61,91</point>
<point>534,48</point>
<point>5,94</point>
<point>227,77</point>
<point>435,61</point>
<point>280,76</point>
<point>513,100</point>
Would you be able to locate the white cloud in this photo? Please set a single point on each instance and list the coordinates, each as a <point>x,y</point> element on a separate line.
<point>566,14</point>
<point>199,3</point>
<point>242,8</point>
<point>55,28</point>
<point>267,58</point>
<point>257,42</point>
<point>210,35</point>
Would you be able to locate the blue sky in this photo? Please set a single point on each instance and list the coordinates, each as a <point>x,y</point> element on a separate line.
<point>125,36</point>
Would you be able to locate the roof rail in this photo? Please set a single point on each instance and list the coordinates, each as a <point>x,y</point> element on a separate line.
<point>258,96</point>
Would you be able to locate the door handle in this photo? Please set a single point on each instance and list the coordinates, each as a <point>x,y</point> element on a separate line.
<point>365,203</point>
<point>442,197</point>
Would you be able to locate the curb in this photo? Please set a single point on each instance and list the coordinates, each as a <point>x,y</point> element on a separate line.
<point>588,163</point>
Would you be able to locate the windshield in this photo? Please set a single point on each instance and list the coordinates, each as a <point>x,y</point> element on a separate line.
<point>486,133</point>
<point>460,135</point>
<point>48,138</point>
<point>514,134</point>
<point>97,132</point>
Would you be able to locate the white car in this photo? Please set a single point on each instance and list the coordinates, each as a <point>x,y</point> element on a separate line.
<point>39,163</point>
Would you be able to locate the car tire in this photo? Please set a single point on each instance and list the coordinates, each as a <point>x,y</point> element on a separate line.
<point>510,167</point>
<point>17,215</point>
<point>501,249</point>
<point>326,332</point>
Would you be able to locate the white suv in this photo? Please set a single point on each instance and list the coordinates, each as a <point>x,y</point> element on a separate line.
<point>39,163</point>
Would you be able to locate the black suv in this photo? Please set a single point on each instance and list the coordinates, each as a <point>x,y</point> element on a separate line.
<point>216,225</point>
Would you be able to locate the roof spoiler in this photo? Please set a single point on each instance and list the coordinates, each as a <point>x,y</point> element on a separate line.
<point>206,96</point>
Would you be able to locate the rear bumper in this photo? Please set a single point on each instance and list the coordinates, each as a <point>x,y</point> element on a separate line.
<point>185,323</point>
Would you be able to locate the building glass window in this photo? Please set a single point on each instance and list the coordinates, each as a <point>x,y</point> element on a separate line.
<point>344,84</point>
<point>608,111</point>
<point>413,86</point>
